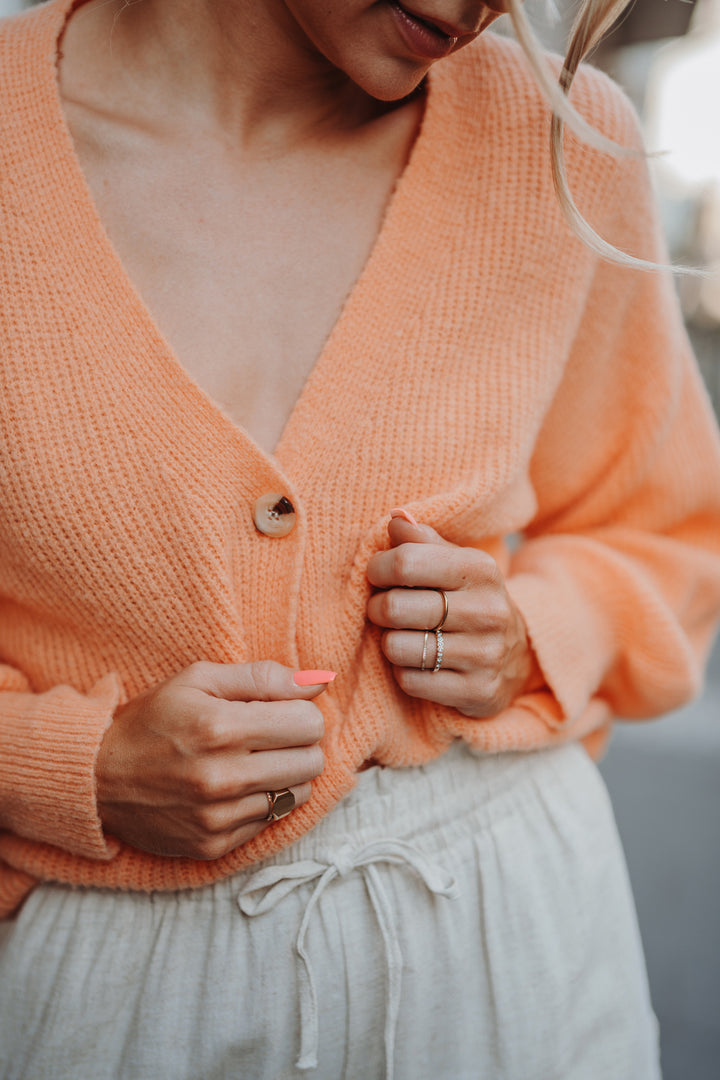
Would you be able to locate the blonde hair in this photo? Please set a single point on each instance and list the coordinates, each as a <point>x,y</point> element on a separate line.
<point>592,22</point>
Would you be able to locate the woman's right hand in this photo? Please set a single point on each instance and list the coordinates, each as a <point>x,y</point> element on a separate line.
<point>184,767</point>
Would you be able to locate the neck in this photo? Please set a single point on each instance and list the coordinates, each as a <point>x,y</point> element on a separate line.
<point>242,66</point>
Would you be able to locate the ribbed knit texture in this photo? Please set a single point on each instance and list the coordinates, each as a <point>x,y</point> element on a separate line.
<point>487,373</point>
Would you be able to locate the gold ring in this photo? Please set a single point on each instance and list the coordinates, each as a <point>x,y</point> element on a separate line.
<point>446,608</point>
<point>280,803</point>
<point>424,652</point>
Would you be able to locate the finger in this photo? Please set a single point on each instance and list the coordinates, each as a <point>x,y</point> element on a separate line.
<point>413,649</point>
<point>274,770</point>
<point>413,609</point>
<point>261,802</point>
<point>232,814</point>
<point>467,653</point>
<point>232,824</point>
<point>480,610</point>
<point>222,777</point>
<point>262,725</point>
<point>261,680</point>
<point>443,566</point>
<point>218,829</point>
<point>402,531</point>
<point>447,688</point>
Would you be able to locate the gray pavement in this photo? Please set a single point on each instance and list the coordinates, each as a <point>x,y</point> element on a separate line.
<point>664,780</point>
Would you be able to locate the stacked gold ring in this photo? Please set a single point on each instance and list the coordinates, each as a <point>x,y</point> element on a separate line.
<point>439,637</point>
<point>446,608</point>
<point>440,646</point>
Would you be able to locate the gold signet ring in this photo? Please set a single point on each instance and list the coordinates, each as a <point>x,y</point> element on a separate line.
<point>280,803</point>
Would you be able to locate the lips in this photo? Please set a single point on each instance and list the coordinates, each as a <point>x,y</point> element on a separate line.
<point>426,38</point>
<point>435,24</point>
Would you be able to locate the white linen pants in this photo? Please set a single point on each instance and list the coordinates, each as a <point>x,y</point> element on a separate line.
<point>467,920</point>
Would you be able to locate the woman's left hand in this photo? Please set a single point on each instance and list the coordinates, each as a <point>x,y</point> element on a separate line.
<point>487,660</point>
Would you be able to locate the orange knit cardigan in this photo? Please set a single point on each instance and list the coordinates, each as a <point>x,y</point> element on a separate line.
<point>488,372</point>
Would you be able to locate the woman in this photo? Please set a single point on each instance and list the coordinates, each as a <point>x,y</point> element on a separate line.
<point>298,341</point>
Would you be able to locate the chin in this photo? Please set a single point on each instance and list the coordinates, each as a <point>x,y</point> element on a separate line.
<point>391,81</point>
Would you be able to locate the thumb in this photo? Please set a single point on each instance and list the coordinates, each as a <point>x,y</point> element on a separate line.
<point>404,529</point>
<point>260,680</point>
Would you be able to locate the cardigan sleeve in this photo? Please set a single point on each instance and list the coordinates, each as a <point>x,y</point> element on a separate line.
<point>49,742</point>
<point>618,574</point>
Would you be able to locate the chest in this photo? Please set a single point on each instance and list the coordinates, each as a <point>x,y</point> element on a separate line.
<point>244,268</point>
<point>128,476</point>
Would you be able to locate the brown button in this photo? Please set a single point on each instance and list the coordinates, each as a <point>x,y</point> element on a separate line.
<point>274,514</point>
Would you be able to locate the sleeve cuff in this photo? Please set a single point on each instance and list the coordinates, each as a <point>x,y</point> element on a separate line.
<point>571,642</point>
<point>47,773</point>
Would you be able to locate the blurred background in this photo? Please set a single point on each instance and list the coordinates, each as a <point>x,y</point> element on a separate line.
<point>664,776</point>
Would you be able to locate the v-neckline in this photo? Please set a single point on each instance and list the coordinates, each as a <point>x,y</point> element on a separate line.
<point>82,204</point>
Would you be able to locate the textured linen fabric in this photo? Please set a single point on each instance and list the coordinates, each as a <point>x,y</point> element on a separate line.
<point>488,372</point>
<point>454,912</point>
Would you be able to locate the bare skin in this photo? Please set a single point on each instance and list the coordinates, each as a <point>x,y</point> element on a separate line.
<point>184,767</point>
<point>241,155</point>
<point>242,237</point>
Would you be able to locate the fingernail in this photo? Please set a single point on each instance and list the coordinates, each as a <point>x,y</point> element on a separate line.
<point>398,512</point>
<point>313,678</point>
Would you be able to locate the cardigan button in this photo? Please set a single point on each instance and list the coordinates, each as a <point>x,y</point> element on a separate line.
<point>274,514</point>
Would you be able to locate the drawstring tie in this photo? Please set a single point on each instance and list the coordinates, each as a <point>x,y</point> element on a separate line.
<point>268,887</point>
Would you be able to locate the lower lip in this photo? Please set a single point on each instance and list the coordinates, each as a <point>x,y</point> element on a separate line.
<point>420,39</point>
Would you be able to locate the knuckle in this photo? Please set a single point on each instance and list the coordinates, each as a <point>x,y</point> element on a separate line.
<point>471,566</point>
<point>394,604</point>
<point>210,848</point>
<point>163,700</point>
<point>473,700</point>
<point>263,675</point>
<point>203,780</point>
<point>205,730</point>
<point>211,820</point>
<point>406,563</point>
<point>476,700</point>
<point>492,654</point>
<point>482,562</point>
<point>199,672</point>
<point>499,610</point>
<point>494,572</point>
<point>492,697</point>
<point>475,652</point>
<point>462,564</point>
<point>472,709</point>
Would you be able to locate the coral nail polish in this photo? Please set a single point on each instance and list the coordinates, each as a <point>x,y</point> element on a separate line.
<point>398,512</point>
<point>313,678</point>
